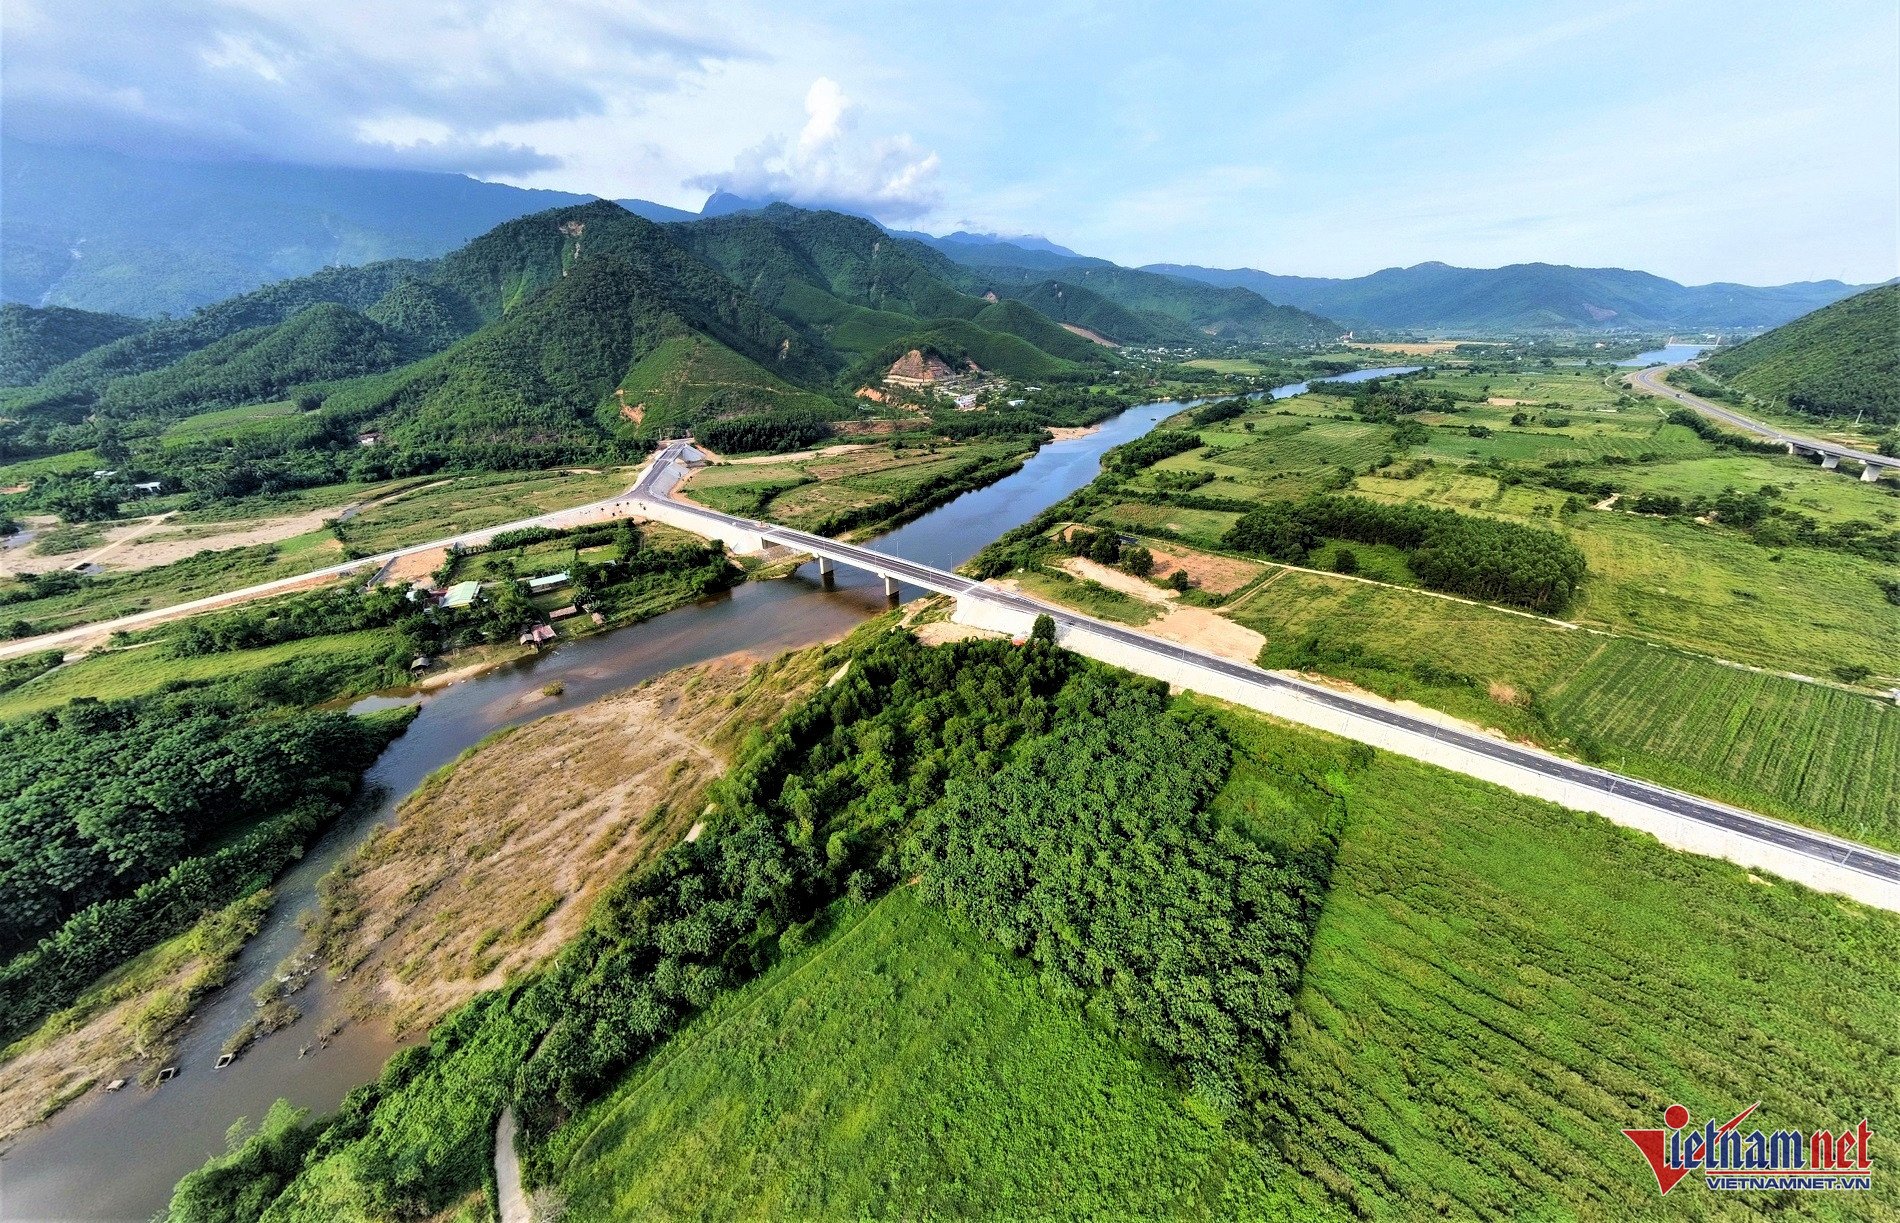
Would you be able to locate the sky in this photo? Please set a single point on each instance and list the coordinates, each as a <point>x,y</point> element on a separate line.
<point>1703,141</point>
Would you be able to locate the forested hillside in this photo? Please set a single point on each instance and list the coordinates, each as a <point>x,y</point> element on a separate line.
<point>1167,303</point>
<point>34,341</point>
<point>1842,360</point>
<point>1526,297</point>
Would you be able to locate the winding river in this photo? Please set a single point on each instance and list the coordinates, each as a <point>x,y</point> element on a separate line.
<point>117,1156</point>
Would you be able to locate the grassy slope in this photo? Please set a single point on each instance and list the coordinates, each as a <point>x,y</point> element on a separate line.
<point>903,1070</point>
<point>1497,987</point>
<point>672,382</point>
<point>1837,361</point>
<point>1682,720</point>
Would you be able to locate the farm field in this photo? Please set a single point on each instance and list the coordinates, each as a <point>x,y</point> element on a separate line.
<point>858,488</point>
<point>1497,987</point>
<point>1796,750</point>
<point>469,503</point>
<point>902,1069</point>
<point>340,662</point>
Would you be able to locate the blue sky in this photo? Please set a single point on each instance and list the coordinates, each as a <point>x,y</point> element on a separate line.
<point>1702,141</point>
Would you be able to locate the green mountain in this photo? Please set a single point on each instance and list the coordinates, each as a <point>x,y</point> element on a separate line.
<point>551,338</point>
<point>1525,297</point>
<point>1841,360</point>
<point>34,341</point>
<point>1175,310</point>
<point>1083,307</point>
<point>320,343</point>
<point>860,291</point>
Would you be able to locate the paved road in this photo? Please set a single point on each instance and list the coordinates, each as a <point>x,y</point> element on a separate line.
<point>664,475</point>
<point>1651,380</point>
<point>366,565</point>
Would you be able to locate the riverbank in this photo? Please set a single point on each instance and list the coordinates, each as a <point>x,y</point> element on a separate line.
<point>497,858</point>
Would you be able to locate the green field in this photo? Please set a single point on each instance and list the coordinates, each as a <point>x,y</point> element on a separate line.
<point>322,665</point>
<point>903,1070</point>
<point>1679,719</point>
<point>1497,987</point>
<point>829,493</point>
<point>469,503</point>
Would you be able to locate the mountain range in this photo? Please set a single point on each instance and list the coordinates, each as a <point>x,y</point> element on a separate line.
<point>556,337</point>
<point>113,233</point>
<point>1437,297</point>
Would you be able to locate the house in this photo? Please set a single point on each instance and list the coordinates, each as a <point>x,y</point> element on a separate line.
<point>966,403</point>
<point>562,613</point>
<point>148,488</point>
<point>371,438</point>
<point>547,582</point>
<point>537,636</point>
<point>461,594</point>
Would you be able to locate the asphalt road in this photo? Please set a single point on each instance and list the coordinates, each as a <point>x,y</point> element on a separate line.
<point>664,473</point>
<point>663,476</point>
<point>1651,380</point>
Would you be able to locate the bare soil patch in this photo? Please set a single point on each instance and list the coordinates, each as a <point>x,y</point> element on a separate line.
<point>415,567</point>
<point>1190,626</point>
<point>495,862</point>
<point>1217,575</point>
<point>1088,334</point>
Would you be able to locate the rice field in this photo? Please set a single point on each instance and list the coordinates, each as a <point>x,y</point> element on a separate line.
<point>1818,748</point>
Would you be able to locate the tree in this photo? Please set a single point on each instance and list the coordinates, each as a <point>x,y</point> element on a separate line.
<point>1043,631</point>
<point>1179,580</point>
<point>1345,561</point>
<point>1138,561</point>
<point>1105,548</point>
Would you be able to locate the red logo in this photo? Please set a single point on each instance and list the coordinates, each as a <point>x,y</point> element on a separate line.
<point>1758,1159</point>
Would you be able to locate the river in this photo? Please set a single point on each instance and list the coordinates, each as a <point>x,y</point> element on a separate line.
<point>117,1155</point>
<point>1671,353</point>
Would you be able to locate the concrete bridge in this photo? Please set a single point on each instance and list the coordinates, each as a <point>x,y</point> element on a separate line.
<point>1678,819</point>
<point>1830,453</point>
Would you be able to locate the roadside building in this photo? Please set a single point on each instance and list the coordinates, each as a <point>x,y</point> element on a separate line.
<point>461,594</point>
<point>547,582</point>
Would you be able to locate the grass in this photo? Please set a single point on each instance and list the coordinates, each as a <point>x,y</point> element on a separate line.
<point>340,663</point>
<point>1805,752</point>
<point>1497,987</point>
<point>233,424</point>
<point>473,502</point>
<point>878,482</point>
<point>903,1069</point>
<point>1092,598</point>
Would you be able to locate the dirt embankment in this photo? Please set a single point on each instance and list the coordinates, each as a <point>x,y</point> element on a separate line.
<point>495,862</point>
<point>1192,626</point>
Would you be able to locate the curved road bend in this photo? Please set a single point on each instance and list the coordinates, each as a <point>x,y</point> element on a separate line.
<point>663,476</point>
<point>1651,380</point>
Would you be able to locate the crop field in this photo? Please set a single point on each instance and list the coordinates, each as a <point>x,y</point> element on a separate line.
<point>808,492</point>
<point>206,573</point>
<point>1796,609</point>
<point>1826,496</point>
<point>1453,443</point>
<point>1311,444</point>
<point>1698,724</point>
<point>29,469</point>
<point>1198,526</point>
<point>334,662</point>
<point>473,502</point>
<point>902,1069</point>
<point>1497,987</point>
<point>233,424</point>
<point>1091,597</point>
<point>1818,748</point>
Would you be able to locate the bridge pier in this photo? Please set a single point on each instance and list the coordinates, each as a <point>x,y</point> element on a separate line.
<point>1869,472</point>
<point>825,570</point>
<point>890,587</point>
<point>1830,461</point>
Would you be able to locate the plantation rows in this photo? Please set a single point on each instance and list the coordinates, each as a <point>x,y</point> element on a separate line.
<point>1831,753</point>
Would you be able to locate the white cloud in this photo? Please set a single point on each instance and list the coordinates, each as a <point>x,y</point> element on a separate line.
<point>830,164</point>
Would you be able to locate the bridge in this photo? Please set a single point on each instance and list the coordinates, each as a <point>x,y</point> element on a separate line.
<point>1830,453</point>
<point>1678,819</point>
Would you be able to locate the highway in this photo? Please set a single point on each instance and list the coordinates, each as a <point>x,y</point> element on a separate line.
<point>665,473</point>
<point>654,489</point>
<point>1651,380</point>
